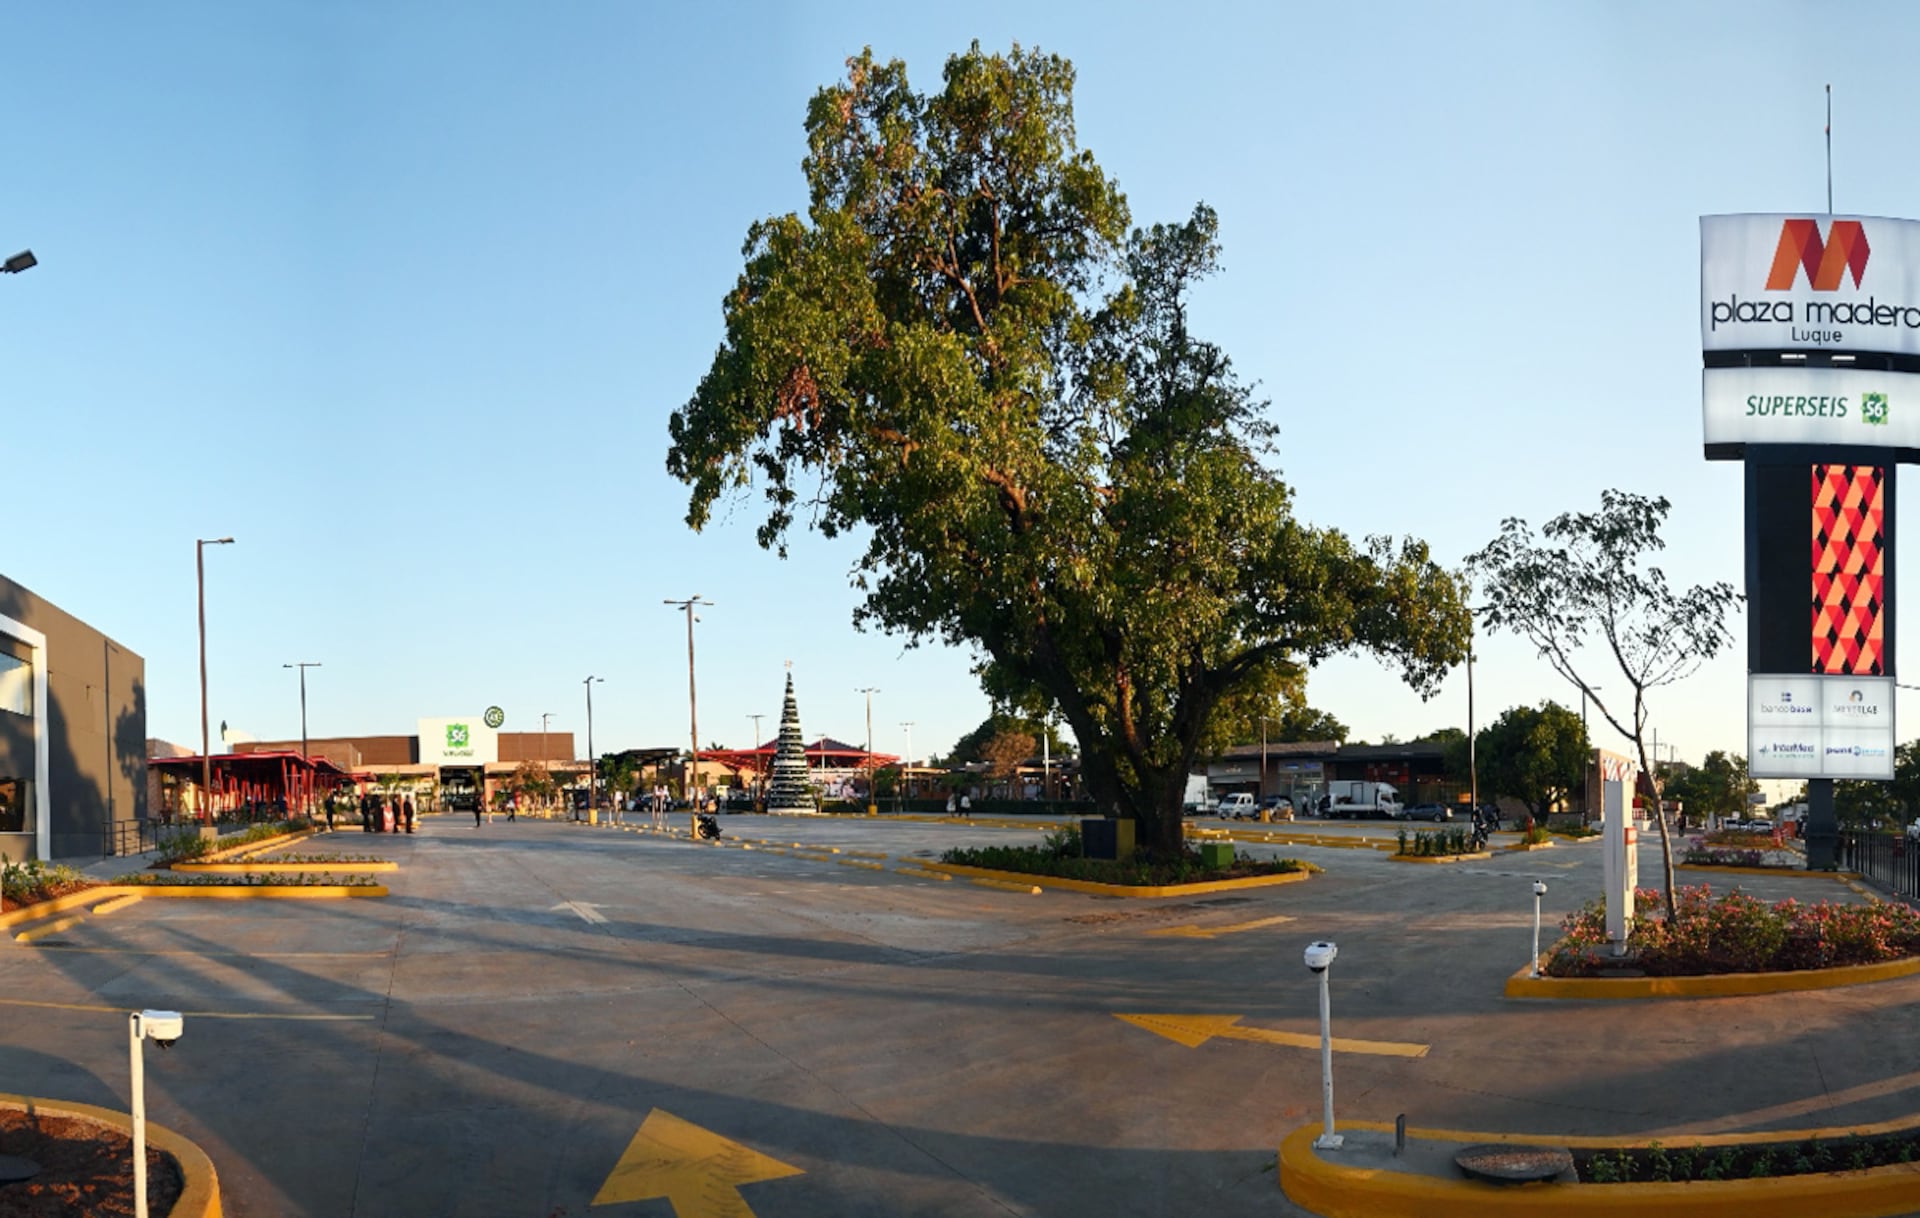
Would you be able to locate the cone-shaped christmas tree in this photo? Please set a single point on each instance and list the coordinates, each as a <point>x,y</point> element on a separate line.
<point>788,789</point>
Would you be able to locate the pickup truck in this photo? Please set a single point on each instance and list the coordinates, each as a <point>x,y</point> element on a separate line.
<point>1238,806</point>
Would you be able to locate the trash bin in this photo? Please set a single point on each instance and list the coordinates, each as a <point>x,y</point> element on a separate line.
<point>1106,838</point>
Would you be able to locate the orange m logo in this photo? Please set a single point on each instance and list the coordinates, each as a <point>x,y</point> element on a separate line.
<point>1845,250</point>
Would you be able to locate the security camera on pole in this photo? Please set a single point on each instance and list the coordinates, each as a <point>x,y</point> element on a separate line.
<point>164,1028</point>
<point>1320,958</point>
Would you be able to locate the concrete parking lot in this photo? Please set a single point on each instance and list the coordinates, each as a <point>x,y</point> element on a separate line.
<point>547,1015</point>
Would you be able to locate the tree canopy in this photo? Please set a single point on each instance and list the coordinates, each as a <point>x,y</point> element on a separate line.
<point>1537,755</point>
<point>1718,786</point>
<point>963,353</point>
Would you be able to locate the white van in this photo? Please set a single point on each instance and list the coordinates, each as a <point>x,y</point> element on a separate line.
<point>1238,806</point>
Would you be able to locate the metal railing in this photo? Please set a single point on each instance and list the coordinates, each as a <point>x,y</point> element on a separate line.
<point>124,837</point>
<point>1888,860</point>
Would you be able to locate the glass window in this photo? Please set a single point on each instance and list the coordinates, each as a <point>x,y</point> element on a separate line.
<point>16,685</point>
<point>13,805</point>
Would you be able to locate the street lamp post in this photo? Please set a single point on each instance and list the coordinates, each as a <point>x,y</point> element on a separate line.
<point>1264,720</point>
<point>200,581</point>
<point>1473,752</point>
<point>905,770</point>
<point>303,665</point>
<point>693,716</point>
<point>872,807</point>
<point>759,767</point>
<point>544,768</point>
<point>592,762</point>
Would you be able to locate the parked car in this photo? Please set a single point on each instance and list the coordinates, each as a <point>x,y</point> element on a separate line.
<point>1238,806</point>
<point>1752,824</point>
<point>1277,807</point>
<point>1432,812</point>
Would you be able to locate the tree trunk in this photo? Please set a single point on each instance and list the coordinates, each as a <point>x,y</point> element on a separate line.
<point>1666,839</point>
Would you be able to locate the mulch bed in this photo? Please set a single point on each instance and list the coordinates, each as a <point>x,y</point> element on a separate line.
<point>85,1169</point>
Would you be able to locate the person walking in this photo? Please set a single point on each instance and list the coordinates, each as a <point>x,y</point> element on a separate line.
<point>478,800</point>
<point>366,813</point>
<point>953,803</point>
<point>408,809</point>
<point>966,804</point>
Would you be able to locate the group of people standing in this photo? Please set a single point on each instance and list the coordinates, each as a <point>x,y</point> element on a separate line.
<point>378,813</point>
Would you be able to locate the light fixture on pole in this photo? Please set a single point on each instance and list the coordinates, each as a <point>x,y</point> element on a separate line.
<point>759,766</point>
<point>164,1027</point>
<point>592,762</point>
<point>906,771</point>
<point>1539,890</point>
<point>303,665</point>
<point>200,582</point>
<point>19,262</point>
<point>1320,958</point>
<point>693,716</point>
<point>872,808</point>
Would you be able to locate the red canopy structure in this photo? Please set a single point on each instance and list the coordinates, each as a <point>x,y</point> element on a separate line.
<point>259,777</point>
<point>826,753</point>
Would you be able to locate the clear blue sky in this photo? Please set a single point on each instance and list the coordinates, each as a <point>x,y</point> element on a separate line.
<point>402,294</point>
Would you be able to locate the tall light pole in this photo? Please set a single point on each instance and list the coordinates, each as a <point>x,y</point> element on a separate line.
<point>1473,754</point>
<point>592,762</point>
<point>303,665</point>
<point>1264,720</point>
<point>693,715</point>
<point>907,769</point>
<point>759,769</point>
<point>544,716</point>
<point>872,808</point>
<point>200,581</point>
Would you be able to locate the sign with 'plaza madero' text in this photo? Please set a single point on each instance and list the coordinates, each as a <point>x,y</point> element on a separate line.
<point>1803,726</point>
<point>1785,282</point>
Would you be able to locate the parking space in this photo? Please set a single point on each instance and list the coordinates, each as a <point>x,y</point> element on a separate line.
<point>546,1015</point>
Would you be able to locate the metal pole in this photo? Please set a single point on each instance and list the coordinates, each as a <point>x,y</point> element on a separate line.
<point>1539,890</point>
<point>906,772</point>
<point>139,1115</point>
<point>544,716</point>
<point>1473,751</point>
<point>200,582</point>
<point>693,719</point>
<point>592,762</point>
<point>872,807</point>
<point>759,769</point>
<point>1328,1139</point>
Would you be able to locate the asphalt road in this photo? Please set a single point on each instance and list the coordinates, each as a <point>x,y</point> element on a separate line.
<point>544,1014</point>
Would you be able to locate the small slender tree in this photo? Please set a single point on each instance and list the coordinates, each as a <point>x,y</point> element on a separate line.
<point>1586,579</point>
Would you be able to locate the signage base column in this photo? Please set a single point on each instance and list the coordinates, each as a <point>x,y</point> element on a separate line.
<point>1821,826</point>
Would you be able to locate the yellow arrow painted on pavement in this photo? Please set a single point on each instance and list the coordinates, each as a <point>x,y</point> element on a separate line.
<point>1196,1030</point>
<point>696,1170</point>
<point>1208,932</point>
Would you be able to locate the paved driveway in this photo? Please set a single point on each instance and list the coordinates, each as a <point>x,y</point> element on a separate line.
<point>545,1014</point>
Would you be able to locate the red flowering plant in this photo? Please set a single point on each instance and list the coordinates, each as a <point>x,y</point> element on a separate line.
<point>1735,933</point>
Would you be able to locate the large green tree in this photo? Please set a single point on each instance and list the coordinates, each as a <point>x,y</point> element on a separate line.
<point>963,354</point>
<point>1537,755</point>
<point>1718,786</point>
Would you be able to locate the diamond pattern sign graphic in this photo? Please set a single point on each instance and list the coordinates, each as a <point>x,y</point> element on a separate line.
<point>1849,569</point>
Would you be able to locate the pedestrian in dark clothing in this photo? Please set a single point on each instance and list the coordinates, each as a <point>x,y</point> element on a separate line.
<point>476,811</point>
<point>408,808</point>
<point>366,813</point>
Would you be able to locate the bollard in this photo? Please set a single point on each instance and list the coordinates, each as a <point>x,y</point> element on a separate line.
<point>1399,1134</point>
<point>1539,890</point>
<point>1320,957</point>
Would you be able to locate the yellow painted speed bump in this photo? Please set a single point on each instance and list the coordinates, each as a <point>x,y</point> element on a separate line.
<point>49,928</point>
<point>1208,932</point>
<point>696,1170</point>
<point>921,873</point>
<point>860,863</point>
<point>1196,1030</point>
<point>134,898</point>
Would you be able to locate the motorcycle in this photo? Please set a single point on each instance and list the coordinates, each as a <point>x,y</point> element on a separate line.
<point>706,826</point>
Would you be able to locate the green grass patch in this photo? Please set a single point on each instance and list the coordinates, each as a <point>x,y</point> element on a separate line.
<point>1060,857</point>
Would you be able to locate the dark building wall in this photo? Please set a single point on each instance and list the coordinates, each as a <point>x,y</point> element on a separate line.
<point>516,747</point>
<point>96,716</point>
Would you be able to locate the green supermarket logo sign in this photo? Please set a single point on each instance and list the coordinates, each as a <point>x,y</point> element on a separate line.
<point>1873,409</point>
<point>457,736</point>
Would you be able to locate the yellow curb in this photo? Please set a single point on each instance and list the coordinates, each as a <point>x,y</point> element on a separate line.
<point>1528,846</point>
<point>241,892</point>
<point>1439,858</point>
<point>1336,1191</point>
<point>106,907</point>
<point>246,848</point>
<point>72,900</point>
<point>860,863</point>
<point>922,873</point>
<point>284,866</point>
<point>49,928</point>
<point>200,1184</point>
<point>1724,985</point>
<point>1119,890</point>
<point>1006,886</point>
<point>1842,876</point>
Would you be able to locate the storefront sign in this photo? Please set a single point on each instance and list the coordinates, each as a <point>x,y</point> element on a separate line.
<point>1801,726</point>
<point>1811,406</point>
<point>466,741</point>
<point>1787,282</point>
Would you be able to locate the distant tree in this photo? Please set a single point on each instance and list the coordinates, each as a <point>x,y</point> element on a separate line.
<point>1718,786</point>
<point>617,776</point>
<point>973,746</point>
<point>1536,755</point>
<point>1860,804</point>
<point>1006,753</point>
<point>1588,579</point>
<point>1454,760</point>
<point>532,782</point>
<point>1299,723</point>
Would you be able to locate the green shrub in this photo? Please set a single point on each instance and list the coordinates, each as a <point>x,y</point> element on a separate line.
<point>1142,870</point>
